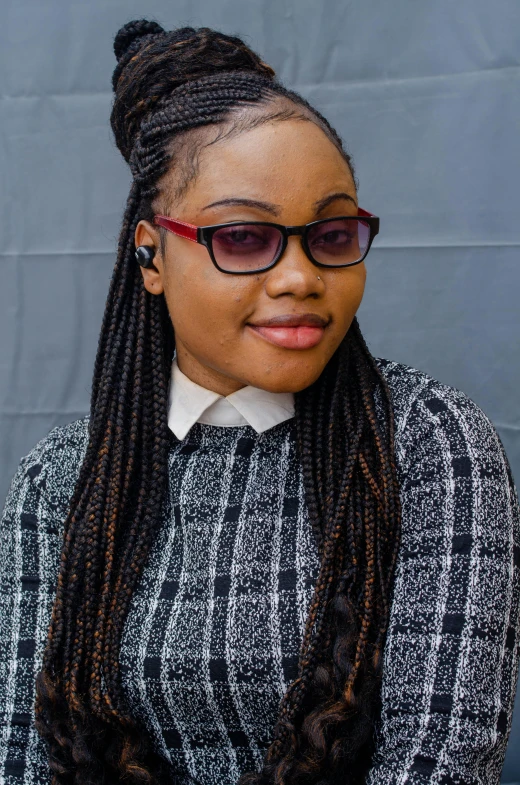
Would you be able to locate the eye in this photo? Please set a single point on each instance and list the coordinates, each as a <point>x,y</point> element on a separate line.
<point>339,236</point>
<point>245,239</point>
<point>241,235</point>
<point>341,240</point>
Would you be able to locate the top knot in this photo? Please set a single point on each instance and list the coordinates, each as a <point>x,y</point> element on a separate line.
<point>153,64</point>
<point>131,32</point>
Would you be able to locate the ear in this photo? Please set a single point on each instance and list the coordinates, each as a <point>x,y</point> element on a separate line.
<point>153,277</point>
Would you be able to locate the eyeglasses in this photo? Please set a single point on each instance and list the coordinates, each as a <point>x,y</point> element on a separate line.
<point>254,246</point>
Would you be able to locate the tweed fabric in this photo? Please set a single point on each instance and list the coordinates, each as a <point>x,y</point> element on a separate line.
<point>212,636</point>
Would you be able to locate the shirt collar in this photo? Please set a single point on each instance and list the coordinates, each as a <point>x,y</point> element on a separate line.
<point>190,403</point>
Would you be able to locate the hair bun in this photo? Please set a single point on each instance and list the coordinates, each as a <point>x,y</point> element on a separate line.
<point>131,32</point>
<point>153,63</point>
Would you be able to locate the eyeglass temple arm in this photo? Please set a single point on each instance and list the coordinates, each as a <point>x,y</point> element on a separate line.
<point>189,231</point>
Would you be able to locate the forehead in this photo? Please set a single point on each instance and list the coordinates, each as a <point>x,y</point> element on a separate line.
<point>285,161</point>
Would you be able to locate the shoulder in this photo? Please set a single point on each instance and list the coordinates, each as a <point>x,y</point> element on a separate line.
<point>454,626</point>
<point>440,427</point>
<point>53,464</point>
<point>410,389</point>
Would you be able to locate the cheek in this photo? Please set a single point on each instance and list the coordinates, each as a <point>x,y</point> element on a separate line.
<point>346,289</point>
<point>203,302</point>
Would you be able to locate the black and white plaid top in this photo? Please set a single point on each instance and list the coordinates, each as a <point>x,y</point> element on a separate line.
<point>213,633</point>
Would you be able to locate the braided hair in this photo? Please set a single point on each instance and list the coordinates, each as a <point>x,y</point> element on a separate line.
<point>167,85</point>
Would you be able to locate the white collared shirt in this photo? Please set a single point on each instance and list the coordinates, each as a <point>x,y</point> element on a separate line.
<point>190,403</point>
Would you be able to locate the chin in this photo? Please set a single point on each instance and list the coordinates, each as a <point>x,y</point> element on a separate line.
<point>286,381</point>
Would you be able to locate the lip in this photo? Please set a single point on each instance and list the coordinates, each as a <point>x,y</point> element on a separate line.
<point>292,320</point>
<point>292,331</point>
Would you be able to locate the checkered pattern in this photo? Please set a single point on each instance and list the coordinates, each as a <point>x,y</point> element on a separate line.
<point>220,616</point>
<point>212,637</point>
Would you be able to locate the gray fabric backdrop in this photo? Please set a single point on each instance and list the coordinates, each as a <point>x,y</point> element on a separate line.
<point>426,96</point>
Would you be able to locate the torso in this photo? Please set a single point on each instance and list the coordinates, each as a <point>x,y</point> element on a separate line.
<point>212,638</point>
<point>215,625</point>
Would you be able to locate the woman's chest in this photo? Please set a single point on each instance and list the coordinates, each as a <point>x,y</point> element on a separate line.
<point>212,638</point>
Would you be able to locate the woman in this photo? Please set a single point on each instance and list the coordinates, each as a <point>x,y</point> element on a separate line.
<point>266,556</point>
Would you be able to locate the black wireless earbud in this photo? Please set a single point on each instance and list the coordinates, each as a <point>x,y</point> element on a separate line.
<point>144,255</point>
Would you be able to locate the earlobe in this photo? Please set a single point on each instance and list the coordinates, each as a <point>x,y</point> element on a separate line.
<point>152,280</point>
<point>152,277</point>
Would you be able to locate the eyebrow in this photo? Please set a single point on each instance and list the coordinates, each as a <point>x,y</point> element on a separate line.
<point>239,201</point>
<point>274,209</point>
<point>321,204</point>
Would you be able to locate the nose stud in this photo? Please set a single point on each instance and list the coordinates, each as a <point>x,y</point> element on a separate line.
<point>319,279</point>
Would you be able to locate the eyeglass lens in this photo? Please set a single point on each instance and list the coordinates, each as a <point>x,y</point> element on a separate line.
<point>247,247</point>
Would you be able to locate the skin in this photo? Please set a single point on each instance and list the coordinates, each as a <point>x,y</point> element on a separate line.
<point>290,165</point>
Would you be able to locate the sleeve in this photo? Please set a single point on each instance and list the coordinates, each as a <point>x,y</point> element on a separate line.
<point>451,655</point>
<point>29,551</point>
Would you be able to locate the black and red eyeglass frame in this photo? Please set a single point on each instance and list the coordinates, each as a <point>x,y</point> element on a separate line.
<point>204,235</point>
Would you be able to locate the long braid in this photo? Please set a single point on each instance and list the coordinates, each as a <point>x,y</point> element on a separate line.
<point>340,660</point>
<point>166,85</point>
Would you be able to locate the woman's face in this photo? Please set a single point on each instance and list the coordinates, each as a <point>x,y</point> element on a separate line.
<point>287,172</point>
